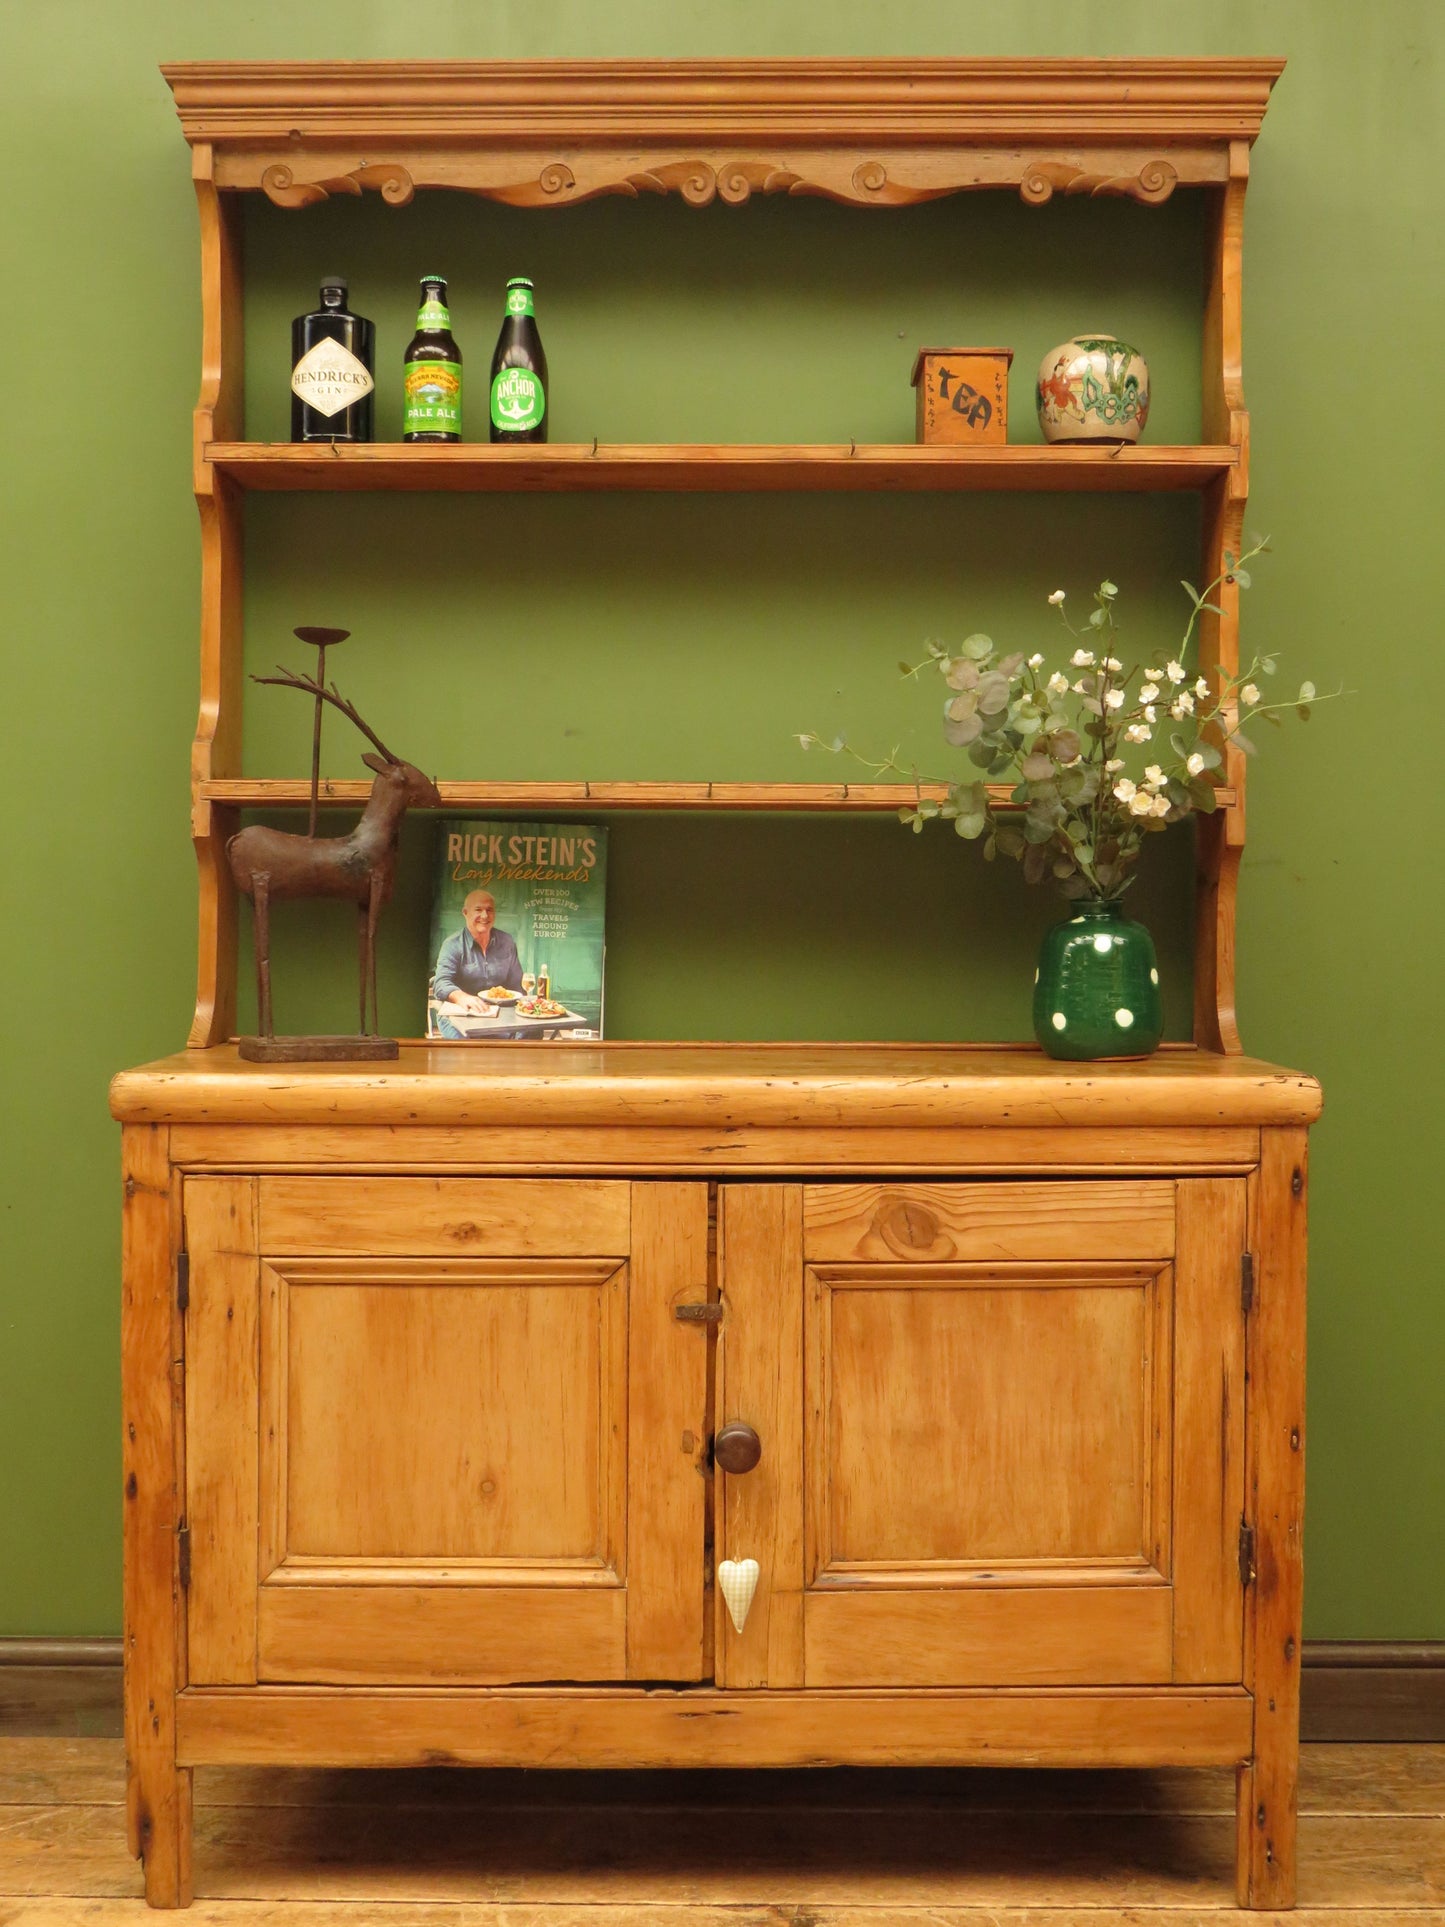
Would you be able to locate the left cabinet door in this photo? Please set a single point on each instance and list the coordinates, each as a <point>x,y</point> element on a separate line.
<point>444,1430</point>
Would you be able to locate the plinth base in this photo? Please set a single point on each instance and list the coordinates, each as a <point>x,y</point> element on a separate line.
<point>316,1050</point>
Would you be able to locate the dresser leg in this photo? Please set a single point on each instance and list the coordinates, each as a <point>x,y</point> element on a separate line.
<point>1268,1785</point>
<point>163,1811</point>
<point>158,1792</point>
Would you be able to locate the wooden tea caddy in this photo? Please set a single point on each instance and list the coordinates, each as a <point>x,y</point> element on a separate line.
<point>423,1365</point>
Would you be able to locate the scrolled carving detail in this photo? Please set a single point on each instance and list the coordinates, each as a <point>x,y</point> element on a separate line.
<point>556,178</point>
<point>1153,184</point>
<point>870,177</point>
<point>392,182</point>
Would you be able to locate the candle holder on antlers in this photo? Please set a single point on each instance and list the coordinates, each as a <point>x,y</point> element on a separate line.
<point>359,868</point>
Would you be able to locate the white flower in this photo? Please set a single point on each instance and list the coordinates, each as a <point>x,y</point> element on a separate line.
<point>1141,803</point>
<point>1036,662</point>
<point>1249,693</point>
<point>1175,672</point>
<point>1114,762</point>
<point>1081,688</point>
<point>1195,764</point>
<point>1151,714</point>
<point>1182,705</point>
<point>1160,806</point>
<point>1114,699</point>
<point>1201,688</point>
<point>1149,693</point>
<point>1138,733</point>
<point>1124,789</point>
<point>1154,777</point>
<point>1082,659</point>
<point>1057,685</point>
<point>1057,597</point>
<point>1113,665</point>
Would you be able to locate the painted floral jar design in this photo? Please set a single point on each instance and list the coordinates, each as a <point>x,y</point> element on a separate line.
<point>1094,388</point>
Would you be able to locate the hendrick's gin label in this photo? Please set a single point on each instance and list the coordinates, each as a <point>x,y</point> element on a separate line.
<point>333,359</point>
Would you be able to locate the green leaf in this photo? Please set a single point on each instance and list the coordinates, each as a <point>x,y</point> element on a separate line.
<point>1063,866</point>
<point>969,827</point>
<point>1268,665</point>
<point>1212,607</point>
<point>1036,864</point>
<point>1240,741</point>
<point>978,648</point>
<point>1037,767</point>
<point>807,740</point>
<point>1064,745</point>
<point>960,734</point>
<point>993,694</point>
<point>1243,578</point>
<point>1010,665</point>
<point>1075,887</point>
<point>990,848</point>
<point>1190,590</point>
<point>959,673</point>
<point>1306,692</point>
<point>905,668</point>
<point>1108,590</point>
<point>1097,619</point>
<point>1302,710</point>
<point>1011,841</point>
<point>1201,795</point>
<point>981,754</point>
<point>999,767</point>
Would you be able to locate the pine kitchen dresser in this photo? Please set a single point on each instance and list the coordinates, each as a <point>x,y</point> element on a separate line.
<point>449,1385</point>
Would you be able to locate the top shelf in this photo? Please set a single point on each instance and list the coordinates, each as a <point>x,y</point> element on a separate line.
<point>701,467</point>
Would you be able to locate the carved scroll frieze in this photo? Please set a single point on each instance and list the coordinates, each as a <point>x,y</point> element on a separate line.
<point>886,178</point>
<point>1154,182</point>
<point>391,181</point>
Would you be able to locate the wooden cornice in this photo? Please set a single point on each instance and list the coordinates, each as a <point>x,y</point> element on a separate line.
<point>882,132</point>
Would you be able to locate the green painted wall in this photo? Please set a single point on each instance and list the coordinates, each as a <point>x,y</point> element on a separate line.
<point>690,637</point>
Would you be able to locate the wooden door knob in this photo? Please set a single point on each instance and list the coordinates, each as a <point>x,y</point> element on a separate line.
<point>737,1448</point>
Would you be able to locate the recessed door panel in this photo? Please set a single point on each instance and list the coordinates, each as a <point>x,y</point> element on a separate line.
<point>476,1415</point>
<point>982,1418</point>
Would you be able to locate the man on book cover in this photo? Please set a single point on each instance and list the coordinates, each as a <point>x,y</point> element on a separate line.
<point>478,956</point>
<point>517,932</point>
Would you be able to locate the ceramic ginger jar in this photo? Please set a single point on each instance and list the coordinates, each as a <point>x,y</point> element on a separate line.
<point>1093,389</point>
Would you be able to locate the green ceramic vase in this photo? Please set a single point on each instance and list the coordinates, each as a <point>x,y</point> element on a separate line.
<point>1096,994</point>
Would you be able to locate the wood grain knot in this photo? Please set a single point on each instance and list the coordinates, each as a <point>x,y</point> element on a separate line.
<point>908,1228</point>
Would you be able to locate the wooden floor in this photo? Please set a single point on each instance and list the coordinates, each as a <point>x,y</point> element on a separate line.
<point>447,1848</point>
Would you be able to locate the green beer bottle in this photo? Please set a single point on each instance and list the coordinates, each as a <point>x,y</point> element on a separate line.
<point>432,371</point>
<point>519,372</point>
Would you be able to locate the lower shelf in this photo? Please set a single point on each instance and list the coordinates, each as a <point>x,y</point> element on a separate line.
<point>263,793</point>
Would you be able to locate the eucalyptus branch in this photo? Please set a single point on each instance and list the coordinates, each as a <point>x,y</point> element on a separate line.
<point>1076,811</point>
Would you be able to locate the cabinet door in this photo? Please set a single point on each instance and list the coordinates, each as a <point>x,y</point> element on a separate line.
<point>444,1430</point>
<point>1002,1432</point>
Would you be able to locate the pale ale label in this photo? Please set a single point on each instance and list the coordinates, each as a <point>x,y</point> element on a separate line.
<point>433,318</point>
<point>433,391</point>
<point>517,399</point>
<point>329,378</point>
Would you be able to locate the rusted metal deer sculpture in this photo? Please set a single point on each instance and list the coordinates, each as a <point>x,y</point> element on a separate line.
<point>358,868</point>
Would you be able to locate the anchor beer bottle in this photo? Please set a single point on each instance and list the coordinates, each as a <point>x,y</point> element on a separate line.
<point>519,372</point>
<point>333,367</point>
<point>432,371</point>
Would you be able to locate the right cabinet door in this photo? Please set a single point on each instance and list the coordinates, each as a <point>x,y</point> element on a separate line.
<point>1002,1432</point>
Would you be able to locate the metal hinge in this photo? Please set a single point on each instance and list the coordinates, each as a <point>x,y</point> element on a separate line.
<point>699,1314</point>
<point>183,1279</point>
<point>183,1536</point>
<point>1246,1553</point>
<point>1246,1282</point>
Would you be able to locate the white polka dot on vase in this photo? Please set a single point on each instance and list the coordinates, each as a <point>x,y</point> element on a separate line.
<point>1059,1020</point>
<point>1123,1018</point>
<point>1153,976</point>
<point>1103,944</point>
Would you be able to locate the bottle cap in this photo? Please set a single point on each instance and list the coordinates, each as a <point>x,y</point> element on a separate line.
<point>433,277</point>
<point>334,281</point>
<point>520,281</point>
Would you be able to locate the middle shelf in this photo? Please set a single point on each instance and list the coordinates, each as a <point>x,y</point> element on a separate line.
<point>713,467</point>
<point>261,793</point>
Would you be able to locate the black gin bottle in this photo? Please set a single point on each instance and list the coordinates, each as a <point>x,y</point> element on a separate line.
<point>333,369</point>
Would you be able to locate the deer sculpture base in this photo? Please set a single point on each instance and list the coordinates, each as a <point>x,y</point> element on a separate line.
<point>317,1050</point>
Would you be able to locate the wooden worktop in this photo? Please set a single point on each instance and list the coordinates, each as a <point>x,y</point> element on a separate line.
<point>719,1085</point>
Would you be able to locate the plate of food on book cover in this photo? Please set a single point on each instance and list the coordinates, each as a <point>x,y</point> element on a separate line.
<point>500,994</point>
<point>541,1007</point>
